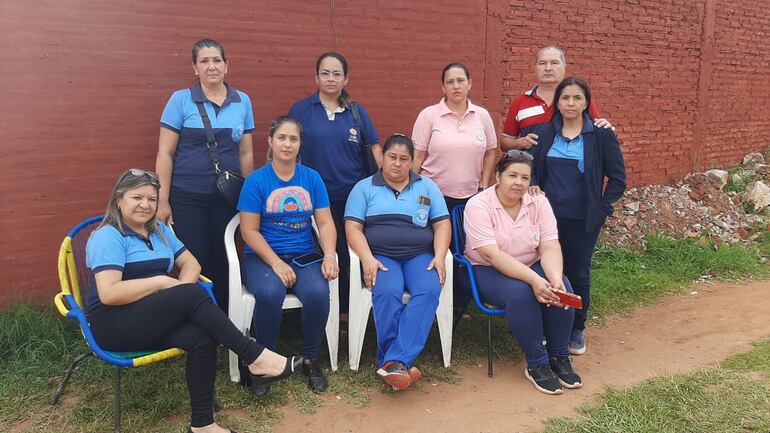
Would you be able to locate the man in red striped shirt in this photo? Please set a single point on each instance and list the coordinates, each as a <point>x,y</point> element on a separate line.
<point>534,106</point>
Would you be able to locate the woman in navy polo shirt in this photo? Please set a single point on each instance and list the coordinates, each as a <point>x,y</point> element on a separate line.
<point>333,143</point>
<point>397,223</point>
<point>189,198</point>
<point>570,166</point>
<point>277,203</point>
<point>135,304</point>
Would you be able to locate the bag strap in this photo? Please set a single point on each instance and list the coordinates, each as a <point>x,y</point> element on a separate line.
<point>211,141</point>
<point>359,123</point>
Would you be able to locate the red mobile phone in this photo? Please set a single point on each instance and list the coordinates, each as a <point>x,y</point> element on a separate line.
<point>570,299</point>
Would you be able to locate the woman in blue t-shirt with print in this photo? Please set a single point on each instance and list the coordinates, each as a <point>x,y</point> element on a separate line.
<point>189,198</point>
<point>333,143</point>
<point>277,204</point>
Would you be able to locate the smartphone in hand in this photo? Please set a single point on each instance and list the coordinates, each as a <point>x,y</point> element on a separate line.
<point>570,299</point>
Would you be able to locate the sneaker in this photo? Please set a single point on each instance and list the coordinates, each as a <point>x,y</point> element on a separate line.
<point>414,375</point>
<point>577,345</point>
<point>316,380</point>
<point>562,368</point>
<point>543,378</point>
<point>395,374</point>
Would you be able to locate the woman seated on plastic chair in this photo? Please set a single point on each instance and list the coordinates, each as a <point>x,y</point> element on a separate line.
<point>512,241</point>
<point>397,223</point>
<point>276,204</point>
<point>138,305</point>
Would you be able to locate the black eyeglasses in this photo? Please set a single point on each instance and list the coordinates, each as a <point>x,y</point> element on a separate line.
<point>513,153</point>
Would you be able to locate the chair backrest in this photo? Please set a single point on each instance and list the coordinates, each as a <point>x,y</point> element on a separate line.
<point>74,276</point>
<point>458,232</point>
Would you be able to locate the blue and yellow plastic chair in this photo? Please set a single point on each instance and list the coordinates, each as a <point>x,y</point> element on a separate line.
<point>458,238</point>
<point>74,278</point>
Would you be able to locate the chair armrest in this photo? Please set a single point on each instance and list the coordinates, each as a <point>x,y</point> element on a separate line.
<point>208,286</point>
<point>58,300</point>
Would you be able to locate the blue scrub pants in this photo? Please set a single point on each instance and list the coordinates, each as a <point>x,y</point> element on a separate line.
<point>403,329</point>
<point>577,248</point>
<point>269,292</point>
<point>542,332</point>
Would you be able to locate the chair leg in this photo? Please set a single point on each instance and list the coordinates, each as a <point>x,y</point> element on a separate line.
<point>73,365</point>
<point>489,346</point>
<point>117,399</point>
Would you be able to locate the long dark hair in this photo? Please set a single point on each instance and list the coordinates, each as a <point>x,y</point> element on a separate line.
<point>569,81</point>
<point>345,99</point>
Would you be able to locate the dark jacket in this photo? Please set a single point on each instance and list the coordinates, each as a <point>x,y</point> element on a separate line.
<point>602,158</point>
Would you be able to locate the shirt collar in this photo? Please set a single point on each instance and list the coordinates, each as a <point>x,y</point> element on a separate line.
<point>127,231</point>
<point>558,123</point>
<point>526,202</point>
<point>532,91</point>
<point>196,92</point>
<point>379,180</point>
<point>444,108</point>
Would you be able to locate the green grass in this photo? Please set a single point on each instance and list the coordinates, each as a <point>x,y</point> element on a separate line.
<point>36,345</point>
<point>720,400</point>
<point>623,279</point>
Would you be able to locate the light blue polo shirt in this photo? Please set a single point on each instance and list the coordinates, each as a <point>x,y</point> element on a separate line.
<point>285,207</point>
<point>333,147</point>
<point>193,170</point>
<point>397,225</point>
<point>130,253</point>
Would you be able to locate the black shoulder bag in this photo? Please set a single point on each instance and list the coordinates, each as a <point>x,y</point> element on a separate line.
<point>370,164</point>
<point>229,182</point>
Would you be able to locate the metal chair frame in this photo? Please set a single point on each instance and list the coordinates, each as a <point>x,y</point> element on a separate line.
<point>458,238</point>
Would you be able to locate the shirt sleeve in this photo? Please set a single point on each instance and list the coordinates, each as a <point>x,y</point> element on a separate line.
<point>248,121</point>
<point>106,250</point>
<point>174,243</point>
<point>489,130</point>
<point>422,130</point>
<point>511,125</point>
<point>546,221</point>
<point>438,210</point>
<point>356,206</point>
<point>477,223</point>
<point>371,134</point>
<point>593,111</point>
<point>251,198</point>
<point>173,115</point>
<point>320,195</point>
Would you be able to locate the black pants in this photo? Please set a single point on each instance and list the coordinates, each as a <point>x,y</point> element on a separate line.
<point>182,316</point>
<point>461,288</point>
<point>577,247</point>
<point>199,222</point>
<point>338,213</point>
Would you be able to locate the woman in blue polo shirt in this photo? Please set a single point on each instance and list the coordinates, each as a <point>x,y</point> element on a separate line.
<point>333,143</point>
<point>397,223</point>
<point>134,303</point>
<point>571,166</point>
<point>277,203</point>
<point>189,198</point>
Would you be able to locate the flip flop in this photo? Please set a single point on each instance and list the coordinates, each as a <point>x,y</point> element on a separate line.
<point>292,364</point>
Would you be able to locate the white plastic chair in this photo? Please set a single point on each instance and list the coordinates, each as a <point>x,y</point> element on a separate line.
<point>241,303</point>
<point>361,304</point>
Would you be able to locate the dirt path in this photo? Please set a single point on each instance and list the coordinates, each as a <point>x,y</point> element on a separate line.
<point>682,334</point>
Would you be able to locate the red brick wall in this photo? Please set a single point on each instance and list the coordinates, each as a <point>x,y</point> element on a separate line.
<point>85,82</point>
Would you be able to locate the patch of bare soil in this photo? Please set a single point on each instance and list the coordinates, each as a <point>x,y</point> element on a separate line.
<point>681,334</point>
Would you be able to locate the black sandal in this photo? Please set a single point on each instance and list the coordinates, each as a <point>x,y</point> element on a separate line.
<point>292,364</point>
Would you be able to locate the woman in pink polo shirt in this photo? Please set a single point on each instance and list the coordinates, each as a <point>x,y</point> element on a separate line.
<point>455,145</point>
<point>512,241</point>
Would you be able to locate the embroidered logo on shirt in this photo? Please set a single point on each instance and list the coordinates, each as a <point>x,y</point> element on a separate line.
<point>353,135</point>
<point>480,137</point>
